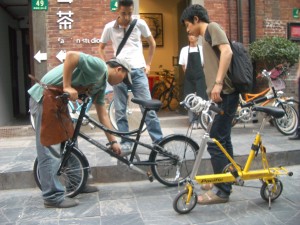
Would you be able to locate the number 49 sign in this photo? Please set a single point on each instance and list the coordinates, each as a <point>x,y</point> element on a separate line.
<point>39,4</point>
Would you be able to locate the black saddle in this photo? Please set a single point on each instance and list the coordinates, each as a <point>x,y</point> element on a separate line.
<point>270,110</point>
<point>148,104</point>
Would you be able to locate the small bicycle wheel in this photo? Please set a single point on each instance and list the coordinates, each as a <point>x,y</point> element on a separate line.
<point>133,113</point>
<point>275,193</point>
<point>180,204</point>
<point>74,174</point>
<point>172,172</point>
<point>287,124</point>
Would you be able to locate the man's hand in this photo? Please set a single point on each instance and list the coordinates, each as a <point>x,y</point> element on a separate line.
<point>116,147</point>
<point>216,93</point>
<point>147,69</point>
<point>72,92</point>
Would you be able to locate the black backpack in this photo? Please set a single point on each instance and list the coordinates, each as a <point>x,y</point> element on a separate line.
<point>240,70</point>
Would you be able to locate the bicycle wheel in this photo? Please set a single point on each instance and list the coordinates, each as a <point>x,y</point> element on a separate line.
<point>133,112</point>
<point>174,99</point>
<point>204,120</point>
<point>170,99</point>
<point>158,89</point>
<point>274,193</point>
<point>287,124</point>
<point>172,172</point>
<point>180,203</point>
<point>73,177</point>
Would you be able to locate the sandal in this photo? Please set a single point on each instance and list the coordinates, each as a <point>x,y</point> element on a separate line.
<point>210,198</point>
<point>207,187</point>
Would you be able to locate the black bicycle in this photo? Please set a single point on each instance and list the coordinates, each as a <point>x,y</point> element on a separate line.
<point>170,161</point>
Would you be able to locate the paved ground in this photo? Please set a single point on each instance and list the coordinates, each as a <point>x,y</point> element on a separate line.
<point>17,153</point>
<point>142,202</point>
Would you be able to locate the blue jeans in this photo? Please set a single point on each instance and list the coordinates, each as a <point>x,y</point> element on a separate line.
<point>221,130</point>
<point>140,89</point>
<point>52,189</point>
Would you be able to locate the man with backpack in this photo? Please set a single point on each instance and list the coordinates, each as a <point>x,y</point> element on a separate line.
<point>217,58</point>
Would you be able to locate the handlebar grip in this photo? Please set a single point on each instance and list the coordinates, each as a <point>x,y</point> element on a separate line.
<point>216,109</point>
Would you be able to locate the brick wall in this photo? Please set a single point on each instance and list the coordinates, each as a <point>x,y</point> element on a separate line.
<point>89,19</point>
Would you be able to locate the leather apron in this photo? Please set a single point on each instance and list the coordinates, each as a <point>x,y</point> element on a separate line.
<point>194,76</point>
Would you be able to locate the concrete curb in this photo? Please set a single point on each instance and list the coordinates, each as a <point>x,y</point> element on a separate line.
<point>121,173</point>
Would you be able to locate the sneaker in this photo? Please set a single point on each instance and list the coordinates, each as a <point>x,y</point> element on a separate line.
<point>126,149</point>
<point>66,203</point>
<point>195,126</point>
<point>89,189</point>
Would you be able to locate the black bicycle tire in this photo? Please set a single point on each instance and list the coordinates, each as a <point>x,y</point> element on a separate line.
<point>157,89</point>
<point>180,197</point>
<point>265,186</point>
<point>172,106</point>
<point>168,178</point>
<point>164,98</point>
<point>294,126</point>
<point>83,177</point>
<point>133,121</point>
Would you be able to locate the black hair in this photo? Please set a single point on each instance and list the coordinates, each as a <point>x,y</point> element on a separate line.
<point>113,64</point>
<point>125,3</point>
<point>194,10</point>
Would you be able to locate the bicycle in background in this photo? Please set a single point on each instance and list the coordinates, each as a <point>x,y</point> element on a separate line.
<point>274,96</point>
<point>166,90</point>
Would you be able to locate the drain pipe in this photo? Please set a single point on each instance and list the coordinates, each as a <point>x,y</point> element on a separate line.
<point>252,21</point>
<point>240,21</point>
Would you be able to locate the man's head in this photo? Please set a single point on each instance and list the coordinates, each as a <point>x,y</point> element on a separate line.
<point>125,10</point>
<point>118,71</point>
<point>192,16</point>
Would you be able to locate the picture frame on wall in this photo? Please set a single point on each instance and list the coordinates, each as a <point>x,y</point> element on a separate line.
<point>293,31</point>
<point>155,23</point>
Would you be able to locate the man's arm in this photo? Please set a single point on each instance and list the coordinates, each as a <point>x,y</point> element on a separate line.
<point>71,62</point>
<point>152,46</point>
<point>104,119</point>
<point>225,59</point>
<point>102,51</point>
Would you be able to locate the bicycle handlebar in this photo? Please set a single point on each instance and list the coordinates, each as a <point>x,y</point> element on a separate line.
<point>196,104</point>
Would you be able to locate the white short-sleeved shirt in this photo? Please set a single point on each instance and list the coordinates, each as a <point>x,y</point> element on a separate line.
<point>183,57</point>
<point>133,48</point>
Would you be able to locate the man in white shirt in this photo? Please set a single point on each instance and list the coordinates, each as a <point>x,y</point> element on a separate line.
<point>132,51</point>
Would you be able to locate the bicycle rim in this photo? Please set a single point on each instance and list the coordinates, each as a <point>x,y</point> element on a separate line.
<point>171,172</point>
<point>158,89</point>
<point>74,174</point>
<point>133,113</point>
<point>174,100</point>
<point>288,124</point>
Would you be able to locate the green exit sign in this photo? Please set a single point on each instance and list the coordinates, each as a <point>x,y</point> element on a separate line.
<point>295,13</point>
<point>113,5</point>
<point>39,4</point>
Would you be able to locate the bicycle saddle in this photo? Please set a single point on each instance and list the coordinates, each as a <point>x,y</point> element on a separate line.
<point>273,111</point>
<point>153,104</point>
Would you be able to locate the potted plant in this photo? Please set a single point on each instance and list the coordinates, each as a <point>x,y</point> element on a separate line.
<point>269,52</point>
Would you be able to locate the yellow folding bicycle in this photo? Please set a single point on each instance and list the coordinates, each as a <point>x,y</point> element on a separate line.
<point>271,188</point>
